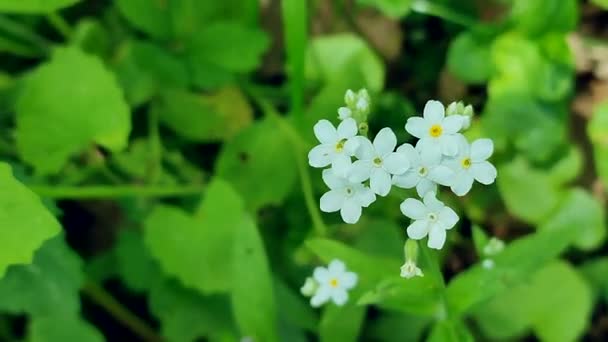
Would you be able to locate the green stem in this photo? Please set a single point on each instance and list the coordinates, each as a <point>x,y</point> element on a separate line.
<point>103,191</point>
<point>62,26</point>
<point>428,7</point>
<point>155,156</point>
<point>23,32</point>
<point>433,263</point>
<point>102,298</point>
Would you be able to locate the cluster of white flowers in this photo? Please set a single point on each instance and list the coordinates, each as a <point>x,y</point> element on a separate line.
<point>331,283</point>
<point>441,156</point>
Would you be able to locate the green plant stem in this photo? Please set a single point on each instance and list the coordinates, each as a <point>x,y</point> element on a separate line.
<point>24,33</point>
<point>62,26</point>
<point>433,262</point>
<point>110,191</point>
<point>155,156</point>
<point>102,298</point>
<point>429,7</point>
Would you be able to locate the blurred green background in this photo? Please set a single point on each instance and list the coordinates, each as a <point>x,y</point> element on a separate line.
<point>154,183</point>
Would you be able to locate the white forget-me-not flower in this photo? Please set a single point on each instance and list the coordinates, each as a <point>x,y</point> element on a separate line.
<point>471,164</point>
<point>333,284</point>
<point>435,130</point>
<point>425,172</point>
<point>345,196</point>
<point>337,145</point>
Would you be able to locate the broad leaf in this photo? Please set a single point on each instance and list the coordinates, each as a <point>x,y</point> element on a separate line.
<point>34,6</point>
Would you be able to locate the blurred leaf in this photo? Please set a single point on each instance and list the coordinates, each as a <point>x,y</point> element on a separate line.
<point>62,328</point>
<point>568,168</point>
<point>397,327</point>
<point>221,49</point>
<point>392,8</point>
<point>595,271</point>
<point>92,37</point>
<point>66,105</point>
<point>185,315</point>
<point>450,331</point>
<point>191,247</point>
<point>252,294</point>
<point>34,6</point>
<point>601,3</point>
<point>135,264</point>
<point>526,16</point>
<point>205,118</point>
<point>266,159</point>
<point>416,296</point>
<point>380,237</point>
<point>341,323</point>
<point>149,16</point>
<point>528,193</point>
<point>293,308</point>
<point>295,26</point>
<point>597,130</point>
<point>579,209</point>
<point>480,240</point>
<point>26,222</point>
<point>555,313</point>
<point>167,69</point>
<point>47,287</point>
<point>469,58</point>
<point>344,56</point>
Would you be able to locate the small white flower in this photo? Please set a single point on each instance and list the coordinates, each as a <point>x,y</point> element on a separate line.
<point>493,247</point>
<point>410,270</point>
<point>435,130</point>
<point>470,164</point>
<point>337,145</point>
<point>310,287</point>
<point>377,161</point>
<point>431,218</point>
<point>488,264</point>
<point>346,196</point>
<point>425,170</point>
<point>334,282</point>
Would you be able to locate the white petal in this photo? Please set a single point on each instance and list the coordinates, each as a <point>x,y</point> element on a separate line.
<point>411,153</point>
<point>320,156</point>
<point>321,275</point>
<point>418,229</point>
<point>380,181</point>
<point>449,145</point>
<point>341,165</point>
<point>434,112</point>
<point>481,149</point>
<point>360,171</point>
<point>351,211</point>
<point>325,132</point>
<point>417,127</point>
<point>396,163</point>
<point>407,180</point>
<point>336,267</point>
<point>351,146</point>
<point>344,112</point>
<point>436,237</point>
<point>347,128</point>
<point>365,150</point>
<point>348,280</point>
<point>448,217</point>
<point>452,124</point>
<point>365,197</point>
<point>441,174</point>
<point>428,146</point>
<point>321,297</point>
<point>463,182</point>
<point>332,201</point>
<point>484,172</point>
<point>413,209</point>
<point>385,141</point>
<point>429,156</point>
<point>339,296</point>
<point>425,186</point>
<point>332,180</point>
<point>432,203</point>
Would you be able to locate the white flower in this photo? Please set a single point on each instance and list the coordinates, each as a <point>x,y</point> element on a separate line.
<point>377,161</point>
<point>471,164</point>
<point>493,247</point>
<point>346,196</point>
<point>425,170</point>
<point>336,145</point>
<point>431,218</point>
<point>410,270</point>
<point>488,264</point>
<point>435,130</point>
<point>334,281</point>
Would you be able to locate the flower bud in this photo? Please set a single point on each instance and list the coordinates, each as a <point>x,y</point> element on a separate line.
<point>350,98</point>
<point>344,113</point>
<point>310,287</point>
<point>493,247</point>
<point>410,250</point>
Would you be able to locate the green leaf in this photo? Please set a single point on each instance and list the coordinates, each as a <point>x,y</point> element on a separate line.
<point>47,287</point>
<point>191,247</point>
<point>563,13</point>
<point>252,294</point>
<point>396,327</point>
<point>555,313</point>
<point>344,56</point>
<point>293,308</point>
<point>597,130</point>
<point>92,37</point>
<point>260,156</point>
<point>185,315</point>
<point>205,118</point>
<point>67,104</point>
<point>568,168</point>
<point>416,296</point>
<point>222,49</point>
<point>579,209</point>
<point>341,323</point>
<point>26,222</point>
<point>528,193</point>
<point>595,271</point>
<point>469,58</point>
<point>149,16</point>
<point>137,268</point>
<point>601,3</point>
<point>392,8</point>
<point>34,6</point>
<point>295,27</point>
<point>450,331</point>
<point>62,328</point>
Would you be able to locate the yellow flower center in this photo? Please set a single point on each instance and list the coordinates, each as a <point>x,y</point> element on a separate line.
<point>466,163</point>
<point>377,161</point>
<point>435,131</point>
<point>333,282</point>
<point>340,145</point>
